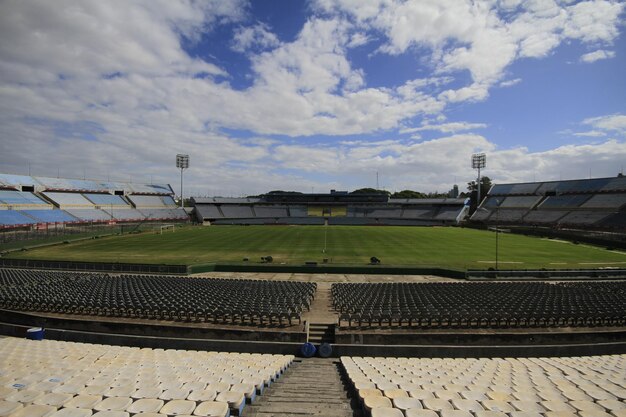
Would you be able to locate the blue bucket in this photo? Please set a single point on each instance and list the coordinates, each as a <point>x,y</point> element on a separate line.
<point>308,350</point>
<point>325,350</point>
<point>35,333</point>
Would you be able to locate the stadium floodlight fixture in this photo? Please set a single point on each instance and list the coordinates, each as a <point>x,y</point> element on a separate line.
<point>479,161</point>
<point>182,162</point>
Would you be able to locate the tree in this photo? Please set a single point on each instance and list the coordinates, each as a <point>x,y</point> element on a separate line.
<point>369,191</point>
<point>408,194</point>
<point>485,185</point>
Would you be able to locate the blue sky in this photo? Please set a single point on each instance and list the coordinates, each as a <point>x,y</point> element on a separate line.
<point>313,95</point>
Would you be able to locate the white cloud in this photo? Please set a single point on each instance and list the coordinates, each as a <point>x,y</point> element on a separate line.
<point>510,83</point>
<point>108,87</point>
<point>451,127</point>
<point>258,36</point>
<point>590,134</point>
<point>613,123</point>
<point>485,37</point>
<point>597,56</point>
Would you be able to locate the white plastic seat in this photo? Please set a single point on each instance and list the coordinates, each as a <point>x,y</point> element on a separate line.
<point>147,392</point>
<point>178,407</point>
<point>212,409</point>
<point>83,401</point>
<point>174,394</point>
<point>218,386</point>
<point>145,405</point>
<point>558,406</point>
<point>73,412</point>
<point>8,407</point>
<point>368,392</point>
<point>5,392</point>
<point>419,412</point>
<point>386,412</point>
<point>120,391</point>
<point>404,403</point>
<point>437,404</point>
<point>25,396</point>
<point>455,413</point>
<point>94,389</point>
<point>111,413</point>
<point>113,404</point>
<point>491,413</point>
<point>202,395</point>
<point>53,399</point>
<point>375,401</point>
<point>35,411</point>
<point>467,405</point>
<point>395,393</point>
<point>529,406</point>
<point>421,394</point>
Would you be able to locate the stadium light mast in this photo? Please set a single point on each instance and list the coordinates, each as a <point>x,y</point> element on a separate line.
<point>479,160</point>
<point>182,162</point>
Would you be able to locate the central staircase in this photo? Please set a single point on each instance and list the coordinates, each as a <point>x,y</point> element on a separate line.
<point>310,387</point>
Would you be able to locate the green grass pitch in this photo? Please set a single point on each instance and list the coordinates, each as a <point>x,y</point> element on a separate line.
<point>446,247</point>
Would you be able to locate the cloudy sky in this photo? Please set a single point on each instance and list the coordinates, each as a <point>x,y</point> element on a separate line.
<point>313,95</point>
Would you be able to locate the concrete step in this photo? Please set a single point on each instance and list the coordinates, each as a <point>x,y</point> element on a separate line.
<point>310,387</point>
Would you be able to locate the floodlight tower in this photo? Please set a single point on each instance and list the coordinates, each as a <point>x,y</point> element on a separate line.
<point>182,162</point>
<point>479,160</point>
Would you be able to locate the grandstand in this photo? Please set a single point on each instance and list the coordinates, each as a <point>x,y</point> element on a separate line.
<point>225,344</point>
<point>336,208</point>
<point>26,201</point>
<point>593,204</point>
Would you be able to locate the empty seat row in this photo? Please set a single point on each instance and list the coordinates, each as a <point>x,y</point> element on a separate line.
<point>44,378</point>
<point>481,305</point>
<point>225,301</point>
<point>501,387</point>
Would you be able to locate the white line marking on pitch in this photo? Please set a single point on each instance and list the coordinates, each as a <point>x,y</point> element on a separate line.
<point>500,262</point>
<point>600,263</point>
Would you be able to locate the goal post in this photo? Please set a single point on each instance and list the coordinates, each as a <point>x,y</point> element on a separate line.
<point>166,228</point>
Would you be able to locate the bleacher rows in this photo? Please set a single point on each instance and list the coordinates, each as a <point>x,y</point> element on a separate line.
<point>597,203</point>
<point>283,213</point>
<point>19,208</point>
<point>481,305</point>
<point>593,386</point>
<point>61,379</point>
<point>224,301</point>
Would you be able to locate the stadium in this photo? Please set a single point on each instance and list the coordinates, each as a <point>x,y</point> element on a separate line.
<point>312,208</point>
<point>532,277</point>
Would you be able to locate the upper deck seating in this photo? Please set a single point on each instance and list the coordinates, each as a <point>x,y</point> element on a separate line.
<point>155,201</point>
<point>107,200</point>
<point>519,202</point>
<point>564,201</point>
<point>75,200</point>
<point>19,198</point>
<point>125,214</point>
<point>164,214</point>
<point>606,201</point>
